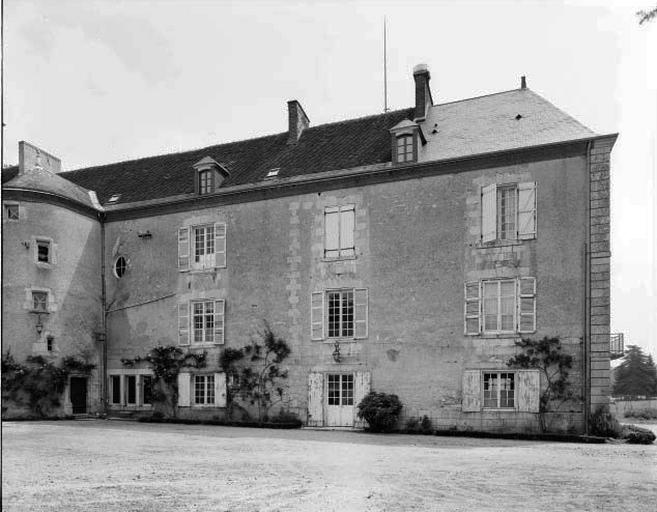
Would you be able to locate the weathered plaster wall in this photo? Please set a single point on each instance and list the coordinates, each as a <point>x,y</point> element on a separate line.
<point>416,245</point>
<point>72,280</point>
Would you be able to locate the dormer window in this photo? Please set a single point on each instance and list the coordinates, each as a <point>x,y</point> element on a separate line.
<point>210,174</point>
<point>405,150</point>
<point>406,137</point>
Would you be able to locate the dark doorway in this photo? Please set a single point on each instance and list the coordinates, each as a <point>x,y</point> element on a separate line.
<point>79,395</point>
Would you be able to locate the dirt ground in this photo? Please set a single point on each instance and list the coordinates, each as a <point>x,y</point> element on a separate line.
<point>123,466</point>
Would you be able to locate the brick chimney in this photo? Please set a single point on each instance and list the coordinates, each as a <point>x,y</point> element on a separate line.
<point>297,121</point>
<point>31,157</point>
<point>423,98</point>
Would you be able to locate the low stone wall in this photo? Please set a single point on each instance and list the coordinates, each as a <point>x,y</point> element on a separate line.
<point>620,407</point>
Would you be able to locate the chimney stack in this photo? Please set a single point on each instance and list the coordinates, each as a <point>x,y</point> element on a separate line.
<point>31,157</point>
<point>297,121</point>
<point>523,82</point>
<point>423,98</point>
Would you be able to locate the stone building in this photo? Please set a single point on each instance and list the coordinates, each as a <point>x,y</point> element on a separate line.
<point>403,252</point>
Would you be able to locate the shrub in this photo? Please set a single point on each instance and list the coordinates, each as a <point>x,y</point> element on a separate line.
<point>645,414</point>
<point>602,423</point>
<point>412,424</point>
<point>380,410</point>
<point>638,435</point>
<point>425,425</point>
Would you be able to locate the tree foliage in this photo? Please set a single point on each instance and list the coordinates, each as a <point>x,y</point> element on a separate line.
<point>381,411</point>
<point>646,16</point>
<point>546,356</point>
<point>636,375</point>
<point>256,370</point>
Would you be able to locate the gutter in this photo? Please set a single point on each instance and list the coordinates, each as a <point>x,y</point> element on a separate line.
<point>586,356</point>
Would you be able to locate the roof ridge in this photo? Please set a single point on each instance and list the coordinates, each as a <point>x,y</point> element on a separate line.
<point>362,118</point>
<point>481,96</point>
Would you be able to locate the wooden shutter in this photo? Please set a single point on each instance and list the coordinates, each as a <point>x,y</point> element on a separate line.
<point>219,321</point>
<point>360,313</point>
<point>315,400</point>
<point>472,309</point>
<point>527,210</point>
<point>526,304</point>
<point>471,391</point>
<point>183,248</point>
<point>220,244</point>
<point>317,316</point>
<point>184,389</point>
<point>220,396</point>
<point>489,213</point>
<point>361,389</point>
<point>183,323</point>
<point>528,390</point>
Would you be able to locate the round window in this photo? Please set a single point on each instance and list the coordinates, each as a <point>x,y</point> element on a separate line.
<point>120,266</point>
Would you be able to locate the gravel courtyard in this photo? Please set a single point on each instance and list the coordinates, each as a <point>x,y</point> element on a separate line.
<point>123,466</point>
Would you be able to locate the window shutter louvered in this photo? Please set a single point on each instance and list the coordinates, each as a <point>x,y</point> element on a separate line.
<point>527,304</point>
<point>471,391</point>
<point>183,323</point>
<point>220,244</point>
<point>489,213</point>
<point>472,308</point>
<point>220,396</point>
<point>315,400</point>
<point>184,389</point>
<point>219,319</point>
<point>528,386</point>
<point>362,387</point>
<point>183,248</point>
<point>527,210</point>
<point>317,316</point>
<point>360,313</point>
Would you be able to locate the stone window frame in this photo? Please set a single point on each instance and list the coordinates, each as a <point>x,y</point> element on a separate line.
<point>187,240</point>
<point>7,206</point>
<point>124,267</point>
<point>51,305</point>
<point>347,252</point>
<point>38,241</point>
<point>319,315</point>
<point>207,389</point>
<point>122,375</point>
<point>525,214</point>
<point>186,328</point>
<point>498,391</point>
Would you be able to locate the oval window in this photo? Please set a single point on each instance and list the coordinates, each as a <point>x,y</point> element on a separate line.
<point>120,266</point>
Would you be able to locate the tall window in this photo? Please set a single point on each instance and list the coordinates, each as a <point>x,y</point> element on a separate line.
<point>340,313</point>
<point>499,389</point>
<point>115,387</point>
<point>131,392</point>
<point>204,389</point>
<point>43,251</point>
<point>507,212</point>
<point>339,223</point>
<point>204,246</point>
<point>499,305</point>
<point>405,149</point>
<point>203,318</point>
<point>40,301</point>
<point>205,182</point>
<point>147,390</point>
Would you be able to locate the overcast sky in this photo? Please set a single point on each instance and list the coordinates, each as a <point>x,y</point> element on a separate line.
<point>98,82</point>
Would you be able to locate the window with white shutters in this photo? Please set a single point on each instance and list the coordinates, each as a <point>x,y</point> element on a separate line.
<point>339,314</point>
<point>339,224</point>
<point>202,247</point>
<point>508,212</point>
<point>201,322</point>
<point>500,306</point>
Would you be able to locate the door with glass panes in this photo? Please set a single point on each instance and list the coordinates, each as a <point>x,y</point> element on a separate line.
<point>340,400</point>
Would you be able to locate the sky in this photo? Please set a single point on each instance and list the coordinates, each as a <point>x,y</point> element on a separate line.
<point>95,82</point>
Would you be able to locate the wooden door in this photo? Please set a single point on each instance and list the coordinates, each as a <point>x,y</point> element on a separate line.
<point>340,400</point>
<point>79,395</point>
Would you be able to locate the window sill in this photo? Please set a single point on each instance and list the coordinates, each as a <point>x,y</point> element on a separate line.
<point>339,258</point>
<point>501,243</point>
<point>498,409</point>
<point>332,341</point>
<point>207,344</point>
<point>43,265</point>
<point>40,311</point>
<point>204,270</point>
<point>204,406</point>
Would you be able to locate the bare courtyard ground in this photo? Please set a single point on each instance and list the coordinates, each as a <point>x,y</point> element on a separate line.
<point>122,466</point>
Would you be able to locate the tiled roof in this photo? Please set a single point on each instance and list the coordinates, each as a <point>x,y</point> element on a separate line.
<point>488,123</point>
<point>462,128</point>
<point>45,181</point>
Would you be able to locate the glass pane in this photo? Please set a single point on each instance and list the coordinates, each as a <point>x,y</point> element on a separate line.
<point>199,389</point>
<point>116,389</point>
<point>490,390</point>
<point>131,382</point>
<point>199,245</point>
<point>334,389</point>
<point>490,289</point>
<point>348,313</point>
<point>210,389</point>
<point>347,390</point>
<point>332,221</point>
<point>209,239</point>
<point>347,229</point>
<point>333,314</point>
<point>42,252</point>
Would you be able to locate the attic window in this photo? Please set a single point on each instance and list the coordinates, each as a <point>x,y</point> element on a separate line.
<point>273,173</point>
<point>114,198</point>
<point>205,181</point>
<point>518,117</point>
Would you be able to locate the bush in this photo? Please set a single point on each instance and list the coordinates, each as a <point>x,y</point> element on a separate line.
<point>645,414</point>
<point>602,423</point>
<point>380,410</point>
<point>638,435</point>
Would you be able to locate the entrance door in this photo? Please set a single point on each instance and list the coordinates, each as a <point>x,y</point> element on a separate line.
<point>79,395</point>
<point>340,400</point>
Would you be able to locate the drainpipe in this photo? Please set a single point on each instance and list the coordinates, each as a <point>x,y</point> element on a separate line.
<point>103,384</point>
<point>586,367</point>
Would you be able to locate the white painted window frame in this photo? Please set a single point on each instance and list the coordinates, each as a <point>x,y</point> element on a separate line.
<point>122,375</point>
<point>498,374</point>
<point>490,209</point>
<point>206,388</point>
<point>498,283</point>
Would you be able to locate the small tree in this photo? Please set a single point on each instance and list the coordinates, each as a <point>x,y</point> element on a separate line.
<point>381,411</point>
<point>545,355</point>
<point>636,375</point>
<point>259,378</point>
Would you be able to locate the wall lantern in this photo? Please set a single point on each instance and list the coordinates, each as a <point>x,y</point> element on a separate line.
<point>144,234</point>
<point>39,325</point>
<point>336,352</point>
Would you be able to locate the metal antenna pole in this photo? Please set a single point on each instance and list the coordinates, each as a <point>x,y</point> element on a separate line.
<point>385,68</point>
